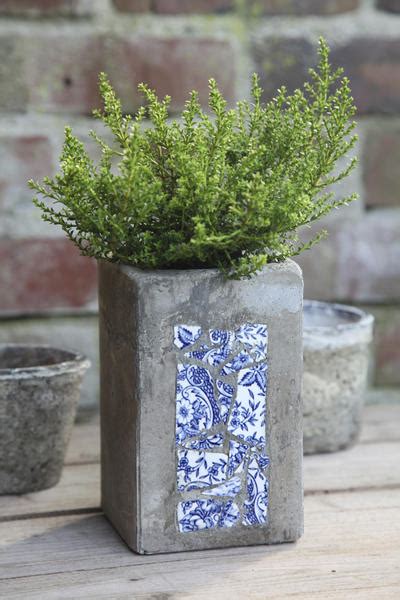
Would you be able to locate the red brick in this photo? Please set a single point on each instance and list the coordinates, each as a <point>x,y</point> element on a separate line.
<point>306,7</point>
<point>389,5</point>
<point>386,344</point>
<point>39,275</point>
<point>44,7</point>
<point>24,157</point>
<point>283,61</point>
<point>373,66</point>
<point>381,163</point>
<point>13,89</point>
<point>62,72</point>
<point>320,264</point>
<point>369,258</point>
<point>134,6</point>
<point>192,6</point>
<point>172,66</point>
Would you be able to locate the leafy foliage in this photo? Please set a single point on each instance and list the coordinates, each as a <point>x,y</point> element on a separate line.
<point>226,190</point>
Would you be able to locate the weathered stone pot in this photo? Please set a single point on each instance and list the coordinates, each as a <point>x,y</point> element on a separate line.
<point>336,359</point>
<point>200,407</point>
<point>39,392</point>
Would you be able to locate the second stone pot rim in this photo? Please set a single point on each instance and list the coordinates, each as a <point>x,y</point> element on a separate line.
<point>361,318</point>
<point>74,362</point>
<point>357,328</point>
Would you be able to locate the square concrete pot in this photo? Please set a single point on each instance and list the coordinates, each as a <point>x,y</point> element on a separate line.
<point>200,407</point>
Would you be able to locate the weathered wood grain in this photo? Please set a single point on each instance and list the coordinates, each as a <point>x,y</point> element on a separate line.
<point>366,466</point>
<point>350,550</point>
<point>78,490</point>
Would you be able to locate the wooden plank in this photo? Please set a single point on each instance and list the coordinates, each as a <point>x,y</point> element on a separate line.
<point>366,466</point>
<point>381,423</point>
<point>78,490</point>
<point>350,550</point>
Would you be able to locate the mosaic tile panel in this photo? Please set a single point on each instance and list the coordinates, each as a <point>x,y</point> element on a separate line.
<point>221,389</point>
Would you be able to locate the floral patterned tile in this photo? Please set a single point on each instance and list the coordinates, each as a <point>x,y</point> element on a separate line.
<point>194,515</point>
<point>237,363</point>
<point>186,335</point>
<point>206,442</point>
<point>198,469</point>
<point>230,514</point>
<point>247,419</point>
<point>254,338</point>
<point>231,487</point>
<point>237,455</point>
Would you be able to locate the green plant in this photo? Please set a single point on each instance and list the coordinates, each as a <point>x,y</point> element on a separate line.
<point>228,190</point>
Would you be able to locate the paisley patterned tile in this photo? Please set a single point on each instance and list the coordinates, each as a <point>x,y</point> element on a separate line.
<point>186,335</point>
<point>256,505</point>
<point>194,515</point>
<point>198,469</point>
<point>196,406</point>
<point>247,419</point>
<point>231,487</point>
<point>217,355</point>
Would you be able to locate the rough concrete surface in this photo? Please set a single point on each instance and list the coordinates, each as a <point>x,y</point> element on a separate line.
<point>336,359</point>
<point>39,392</point>
<point>138,311</point>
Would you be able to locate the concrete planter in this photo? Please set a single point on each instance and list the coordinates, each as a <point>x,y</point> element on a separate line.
<point>336,359</point>
<point>200,407</point>
<point>39,392</point>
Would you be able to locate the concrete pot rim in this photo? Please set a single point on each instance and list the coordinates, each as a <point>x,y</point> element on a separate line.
<point>70,362</point>
<point>353,324</point>
<point>287,264</point>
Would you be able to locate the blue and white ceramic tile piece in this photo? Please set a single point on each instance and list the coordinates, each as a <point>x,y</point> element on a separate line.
<point>198,469</point>
<point>229,488</point>
<point>256,504</point>
<point>221,389</point>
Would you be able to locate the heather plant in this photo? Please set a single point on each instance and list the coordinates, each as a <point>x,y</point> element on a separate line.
<point>227,189</point>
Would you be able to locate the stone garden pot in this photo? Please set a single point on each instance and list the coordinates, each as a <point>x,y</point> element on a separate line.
<point>39,392</point>
<point>336,360</point>
<point>200,407</point>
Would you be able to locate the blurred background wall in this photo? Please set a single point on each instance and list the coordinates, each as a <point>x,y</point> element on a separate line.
<point>51,52</point>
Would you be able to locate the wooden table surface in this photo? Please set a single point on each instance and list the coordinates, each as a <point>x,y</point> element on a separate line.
<point>57,545</point>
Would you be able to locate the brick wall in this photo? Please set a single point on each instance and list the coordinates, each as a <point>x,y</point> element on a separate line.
<point>50,54</point>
